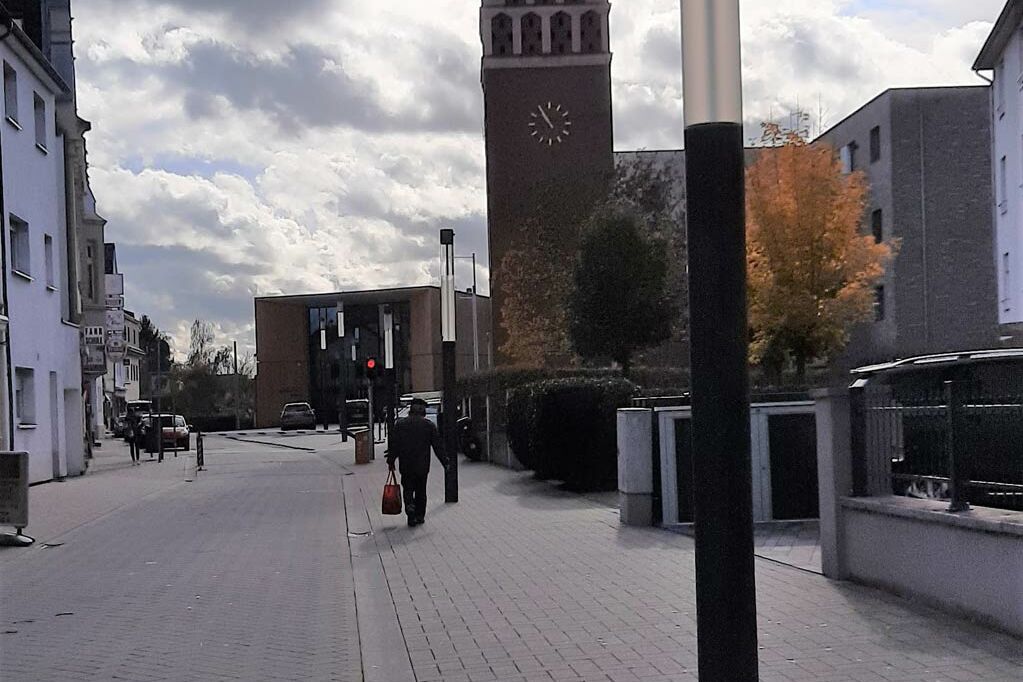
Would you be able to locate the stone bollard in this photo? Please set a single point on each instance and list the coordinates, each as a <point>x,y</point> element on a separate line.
<point>635,466</point>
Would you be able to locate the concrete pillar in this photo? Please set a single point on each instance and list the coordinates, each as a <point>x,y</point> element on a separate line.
<point>545,27</point>
<point>577,32</point>
<point>834,475</point>
<point>516,34</point>
<point>635,466</point>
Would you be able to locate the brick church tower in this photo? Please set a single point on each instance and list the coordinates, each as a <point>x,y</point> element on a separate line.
<point>547,94</point>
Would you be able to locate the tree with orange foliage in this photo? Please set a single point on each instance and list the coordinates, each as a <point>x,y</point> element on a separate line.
<point>812,273</point>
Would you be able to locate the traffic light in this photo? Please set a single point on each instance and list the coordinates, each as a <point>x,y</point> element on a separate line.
<point>371,369</point>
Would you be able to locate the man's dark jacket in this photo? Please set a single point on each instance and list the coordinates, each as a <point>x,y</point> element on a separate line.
<point>410,441</point>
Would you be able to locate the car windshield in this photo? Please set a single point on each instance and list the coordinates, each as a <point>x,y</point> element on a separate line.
<point>168,421</point>
<point>297,407</point>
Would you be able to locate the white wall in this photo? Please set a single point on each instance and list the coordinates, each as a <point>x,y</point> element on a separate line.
<point>40,340</point>
<point>1007,110</point>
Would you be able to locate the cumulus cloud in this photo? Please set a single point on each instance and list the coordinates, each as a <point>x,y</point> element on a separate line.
<point>263,147</point>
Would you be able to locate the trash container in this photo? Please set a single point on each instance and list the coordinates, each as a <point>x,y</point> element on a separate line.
<point>362,444</point>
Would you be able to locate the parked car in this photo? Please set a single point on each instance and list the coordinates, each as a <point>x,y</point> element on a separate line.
<point>298,416</point>
<point>433,406</point>
<point>173,429</point>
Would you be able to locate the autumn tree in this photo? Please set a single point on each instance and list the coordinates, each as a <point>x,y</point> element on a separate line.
<point>619,303</point>
<point>812,273</point>
<point>536,283</point>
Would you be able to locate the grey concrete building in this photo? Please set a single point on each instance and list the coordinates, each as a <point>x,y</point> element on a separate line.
<point>926,155</point>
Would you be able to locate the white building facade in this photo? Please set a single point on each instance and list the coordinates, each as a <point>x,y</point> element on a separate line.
<point>1002,54</point>
<point>43,414</point>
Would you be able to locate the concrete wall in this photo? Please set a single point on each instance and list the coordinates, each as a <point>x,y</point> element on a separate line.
<point>969,563</point>
<point>40,338</point>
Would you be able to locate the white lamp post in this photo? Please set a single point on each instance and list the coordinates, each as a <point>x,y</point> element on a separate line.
<point>715,187</point>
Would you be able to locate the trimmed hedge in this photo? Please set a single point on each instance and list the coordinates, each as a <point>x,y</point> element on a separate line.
<point>565,429</point>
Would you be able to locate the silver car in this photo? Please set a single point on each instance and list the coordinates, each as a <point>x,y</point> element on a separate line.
<point>298,416</point>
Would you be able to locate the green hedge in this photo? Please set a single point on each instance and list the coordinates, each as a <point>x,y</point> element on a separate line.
<point>565,429</point>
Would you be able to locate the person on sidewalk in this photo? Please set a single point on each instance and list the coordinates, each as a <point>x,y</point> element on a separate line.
<point>410,443</point>
<point>135,440</point>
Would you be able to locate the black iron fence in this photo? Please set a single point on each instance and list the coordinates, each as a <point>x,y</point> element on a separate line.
<point>960,441</point>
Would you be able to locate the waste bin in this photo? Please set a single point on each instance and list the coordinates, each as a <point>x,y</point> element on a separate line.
<point>362,447</point>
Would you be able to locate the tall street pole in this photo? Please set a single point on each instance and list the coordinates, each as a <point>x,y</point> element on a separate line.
<point>237,393</point>
<point>475,320</point>
<point>447,317</point>
<point>342,410</point>
<point>722,474</point>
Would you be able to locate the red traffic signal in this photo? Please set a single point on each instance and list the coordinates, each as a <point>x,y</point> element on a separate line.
<point>371,363</point>
<point>371,369</point>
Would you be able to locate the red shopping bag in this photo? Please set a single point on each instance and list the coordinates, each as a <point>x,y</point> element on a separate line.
<point>391,504</point>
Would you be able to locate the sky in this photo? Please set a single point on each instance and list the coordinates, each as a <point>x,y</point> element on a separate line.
<point>245,148</point>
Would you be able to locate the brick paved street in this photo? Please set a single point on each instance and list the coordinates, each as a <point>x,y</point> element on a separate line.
<point>276,564</point>
<point>242,575</point>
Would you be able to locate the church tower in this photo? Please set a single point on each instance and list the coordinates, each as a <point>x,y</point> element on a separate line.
<point>547,96</point>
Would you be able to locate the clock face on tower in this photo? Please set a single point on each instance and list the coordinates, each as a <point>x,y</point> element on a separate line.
<point>549,124</point>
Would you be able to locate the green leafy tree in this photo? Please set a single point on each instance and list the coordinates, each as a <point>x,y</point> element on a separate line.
<point>620,302</point>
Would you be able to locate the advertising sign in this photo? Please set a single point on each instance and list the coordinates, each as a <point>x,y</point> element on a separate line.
<point>115,331</point>
<point>14,489</point>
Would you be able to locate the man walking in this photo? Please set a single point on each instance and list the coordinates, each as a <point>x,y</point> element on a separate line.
<point>410,443</point>
<point>134,439</point>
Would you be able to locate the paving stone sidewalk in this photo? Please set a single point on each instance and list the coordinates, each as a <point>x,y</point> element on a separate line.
<point>244,574</point>
<point>521,582</point>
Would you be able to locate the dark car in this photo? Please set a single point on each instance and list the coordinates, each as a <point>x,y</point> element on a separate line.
<point>173,429</point>
<point>298,416</point>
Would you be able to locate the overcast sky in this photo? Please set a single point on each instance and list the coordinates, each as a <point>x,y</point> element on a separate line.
<point>245,148</point>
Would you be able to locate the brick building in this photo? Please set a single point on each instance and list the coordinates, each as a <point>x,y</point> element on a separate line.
<point>302,357</point>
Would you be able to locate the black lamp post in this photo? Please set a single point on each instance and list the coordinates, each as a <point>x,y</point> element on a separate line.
<point>722,473</point>
<point>447,331</point>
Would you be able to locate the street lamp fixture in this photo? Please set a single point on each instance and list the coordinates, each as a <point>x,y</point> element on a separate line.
<point>726,614</point>
<point>447,316</point>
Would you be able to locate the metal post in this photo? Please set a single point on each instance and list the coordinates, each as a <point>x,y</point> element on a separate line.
<point>448,359</point>
<point>722,470</point>
<point>858,438</point>
<point>475,320</point>
<point>953,418</point>
<point>237,392</point>
<point>372,423</point>
<point>159,405</point>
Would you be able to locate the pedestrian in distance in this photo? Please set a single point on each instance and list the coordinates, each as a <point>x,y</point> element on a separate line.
<point>412,437</point>
<point>135,439</point>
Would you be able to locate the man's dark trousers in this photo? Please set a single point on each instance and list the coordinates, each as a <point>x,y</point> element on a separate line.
<point>413,489</point>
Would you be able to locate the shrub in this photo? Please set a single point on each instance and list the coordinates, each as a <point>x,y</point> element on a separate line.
<point>565,429</point>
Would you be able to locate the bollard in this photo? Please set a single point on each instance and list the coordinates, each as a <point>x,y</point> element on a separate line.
<point>200,457</point>
<point>190,468</point>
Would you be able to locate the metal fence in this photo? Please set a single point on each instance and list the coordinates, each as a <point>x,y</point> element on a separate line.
<point>960,441</point>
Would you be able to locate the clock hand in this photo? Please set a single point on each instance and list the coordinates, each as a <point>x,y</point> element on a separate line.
<point>544,114</point>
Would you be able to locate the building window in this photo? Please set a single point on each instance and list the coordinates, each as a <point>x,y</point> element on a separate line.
<point>48,251</point>
<point>591,33</point>
<point>879,303</point>
<point>90,272</point>
<point>561,33</point>
<point>501,35</point>
<point>875,144</point>
<point>532,34</point>
<point>1006,283</point>
<point>24,396</point>
<point>1000,88</point>
<point>1003,185</point>
<point>877,226</point>
<point>10,94</point>
<point>848,156</point>
<point>21,254</point>
<point>39,106</point>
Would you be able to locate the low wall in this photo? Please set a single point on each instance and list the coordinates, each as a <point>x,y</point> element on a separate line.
<point>969,562</point>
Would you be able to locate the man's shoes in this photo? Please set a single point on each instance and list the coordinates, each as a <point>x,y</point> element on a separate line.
<point>420,521</point>
<point>412,522</point>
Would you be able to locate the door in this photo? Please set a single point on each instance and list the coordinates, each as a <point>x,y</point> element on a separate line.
<point>793,453</point>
